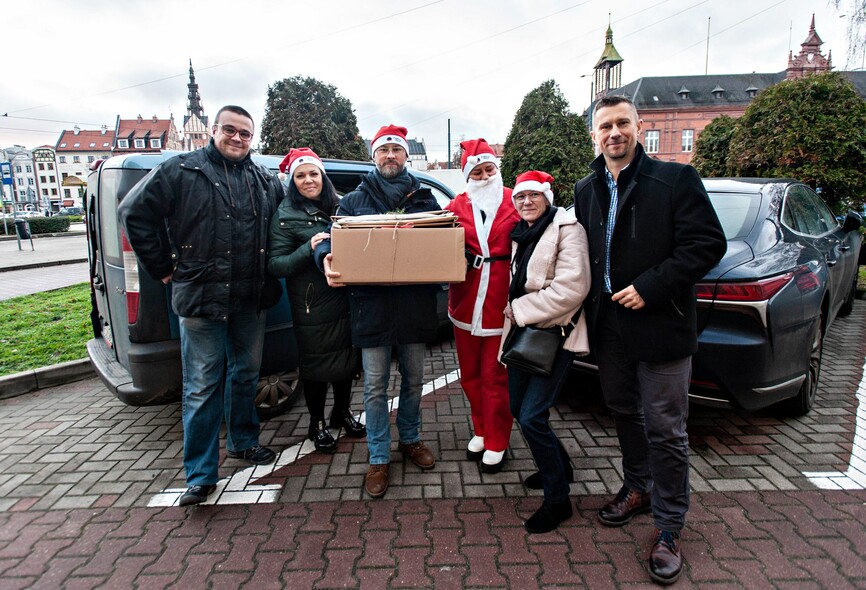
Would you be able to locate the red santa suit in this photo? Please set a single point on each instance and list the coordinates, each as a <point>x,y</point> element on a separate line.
<point>475,307</point>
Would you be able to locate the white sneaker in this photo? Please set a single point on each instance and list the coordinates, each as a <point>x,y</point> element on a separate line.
<point>475,449</point>
<point>492,461</point>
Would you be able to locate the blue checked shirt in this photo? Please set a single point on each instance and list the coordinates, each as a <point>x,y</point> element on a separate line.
<point>611,219</point>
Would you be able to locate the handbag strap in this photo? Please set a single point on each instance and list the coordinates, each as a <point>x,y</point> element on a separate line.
<point>571,323</point>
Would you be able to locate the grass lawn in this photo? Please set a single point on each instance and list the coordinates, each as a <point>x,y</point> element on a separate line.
<point>44,329</point>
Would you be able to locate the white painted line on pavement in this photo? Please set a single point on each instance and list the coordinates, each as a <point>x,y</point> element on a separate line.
<point>237,489</point>
<point>854,478</point>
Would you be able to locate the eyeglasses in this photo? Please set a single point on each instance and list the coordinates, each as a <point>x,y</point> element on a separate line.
<point>231,131</point>
<point>383,151</point>
<point>519,199</point>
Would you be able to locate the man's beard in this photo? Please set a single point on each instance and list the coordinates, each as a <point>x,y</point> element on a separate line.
<point>390,170</point>
<point>486,194</point>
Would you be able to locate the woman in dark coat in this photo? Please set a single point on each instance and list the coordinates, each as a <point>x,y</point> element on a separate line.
<point>320,313</point>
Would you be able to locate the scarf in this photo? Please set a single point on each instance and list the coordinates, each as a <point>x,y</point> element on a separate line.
<point>390,193</point>
<point>527,237</point>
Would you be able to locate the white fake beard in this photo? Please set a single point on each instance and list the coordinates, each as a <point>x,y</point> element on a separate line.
<point>486,195</point>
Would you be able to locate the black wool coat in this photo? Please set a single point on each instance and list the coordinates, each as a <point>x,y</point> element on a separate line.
<point>320,313</point>
<point>666,238</point>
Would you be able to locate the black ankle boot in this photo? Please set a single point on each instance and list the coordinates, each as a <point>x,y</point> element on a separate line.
<point>346,420</point>
<point>548,517</point>
<point>321,437</point>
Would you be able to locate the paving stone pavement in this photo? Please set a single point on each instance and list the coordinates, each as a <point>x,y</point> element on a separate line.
<point>78,470</point>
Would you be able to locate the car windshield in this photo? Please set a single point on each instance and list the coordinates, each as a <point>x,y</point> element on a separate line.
<point>737,212</point>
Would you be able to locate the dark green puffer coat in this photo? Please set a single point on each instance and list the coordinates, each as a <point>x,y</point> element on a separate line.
<point>320,313</point>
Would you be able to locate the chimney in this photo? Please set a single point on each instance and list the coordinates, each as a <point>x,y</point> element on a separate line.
<point>104,129</point>
<point>76,130</point>
<point>155,120</point>
<point>139,119</point>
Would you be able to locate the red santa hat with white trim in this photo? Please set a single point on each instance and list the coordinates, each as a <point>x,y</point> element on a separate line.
<point>534,180</point>
<point>475,152</point>
<point>299,156</point>
<point>390,134</point>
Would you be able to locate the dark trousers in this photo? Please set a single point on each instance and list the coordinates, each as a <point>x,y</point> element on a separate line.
<point>649,402</point>
<point>315,393</point>
<point>531,397</point>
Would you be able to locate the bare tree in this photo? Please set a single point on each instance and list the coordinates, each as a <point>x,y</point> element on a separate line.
<point>855,12</point>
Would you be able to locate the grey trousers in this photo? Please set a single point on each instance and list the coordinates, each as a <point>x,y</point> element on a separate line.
<point>649,403</point>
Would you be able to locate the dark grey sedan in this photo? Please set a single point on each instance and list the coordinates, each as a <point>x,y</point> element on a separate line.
<point>790,270</point>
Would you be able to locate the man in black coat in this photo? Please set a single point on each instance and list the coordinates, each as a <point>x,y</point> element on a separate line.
<point>653,233</point>
<point>200,221</point>
<point>383,317</point>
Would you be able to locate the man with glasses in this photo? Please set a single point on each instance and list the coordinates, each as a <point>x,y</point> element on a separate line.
<point>386,317</point>
<point>200,222</point>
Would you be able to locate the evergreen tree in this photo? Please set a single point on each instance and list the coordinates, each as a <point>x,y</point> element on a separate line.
<point>812,129</point>
<point>546,136</point>
<point>304,112</point>
<point>711,148</point>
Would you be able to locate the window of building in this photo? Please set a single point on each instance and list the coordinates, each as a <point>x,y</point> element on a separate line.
<point>688,139</point>
<point>45,192</point>
<point>652,141</point>
<point>54,192</point>
<point>42,179</point>
<point>18,169</point>
<point>52,178</point>
<point>156,143</point>
<point>91,159</point>
<point>30,181</point>
<point>42,166</point>
<point>139,144</point>
<point>76,144</point>
<point>22,195</point>
<point>63,145</point>
<point>76,159</point>
<point>62,159</point>
<point>63,175</point>
<point>67,193</point>
<point>123,143</point>
<point>92,144</point>
<point>51,165</point>
<point>20,181</point>
<point>29,168</point>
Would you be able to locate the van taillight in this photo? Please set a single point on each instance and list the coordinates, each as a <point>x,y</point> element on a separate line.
<point>130,275</point>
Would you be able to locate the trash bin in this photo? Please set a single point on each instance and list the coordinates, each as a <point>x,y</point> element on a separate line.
<point>23,229</point>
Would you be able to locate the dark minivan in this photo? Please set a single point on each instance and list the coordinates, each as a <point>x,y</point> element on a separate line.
<point>136,346</point>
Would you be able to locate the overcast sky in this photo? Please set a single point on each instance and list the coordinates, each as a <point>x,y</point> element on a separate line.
<point>416,63</point>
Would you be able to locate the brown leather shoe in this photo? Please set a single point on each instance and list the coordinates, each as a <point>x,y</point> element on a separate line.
<point>376,480</point>
<point>419,454</point>
<point>666,560</point>
<point>626,505</point>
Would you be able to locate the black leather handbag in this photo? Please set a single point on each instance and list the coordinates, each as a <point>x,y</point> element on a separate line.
<point>532,349</point>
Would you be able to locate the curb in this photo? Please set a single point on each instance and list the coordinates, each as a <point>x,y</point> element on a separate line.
<point>43,377</point>
<point>32,265</point>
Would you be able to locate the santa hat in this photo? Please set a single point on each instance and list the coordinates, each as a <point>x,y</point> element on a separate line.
<point>534,180</point>
<point>475,152</point>
<point>298,156</point>
<point>390,134</point>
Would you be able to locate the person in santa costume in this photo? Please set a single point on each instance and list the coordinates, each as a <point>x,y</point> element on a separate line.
<point>476,305</point>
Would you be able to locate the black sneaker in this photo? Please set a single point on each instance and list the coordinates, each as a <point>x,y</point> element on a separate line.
<point>196,495</point>
<point>257,455</point>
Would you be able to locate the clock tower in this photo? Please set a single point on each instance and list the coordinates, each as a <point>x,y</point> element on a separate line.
<point>810,60</point>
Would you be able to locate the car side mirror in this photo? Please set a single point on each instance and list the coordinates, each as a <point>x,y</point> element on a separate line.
<point>852,221</point>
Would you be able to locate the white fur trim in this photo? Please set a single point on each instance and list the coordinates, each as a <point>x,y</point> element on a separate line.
<point>473,161</point>
<point>383,139</point>
<point>306,160</point>
<point>535,186</point>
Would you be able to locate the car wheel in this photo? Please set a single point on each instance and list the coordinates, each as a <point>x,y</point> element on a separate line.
<point>848,304</point>
<point>800,404</point>
<point>277,393</point>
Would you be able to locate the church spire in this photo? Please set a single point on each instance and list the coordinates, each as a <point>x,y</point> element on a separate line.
<point>194,100</point>
<point>608,69</point>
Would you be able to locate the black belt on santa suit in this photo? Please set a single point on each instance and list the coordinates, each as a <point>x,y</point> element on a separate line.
<point>476,260</point>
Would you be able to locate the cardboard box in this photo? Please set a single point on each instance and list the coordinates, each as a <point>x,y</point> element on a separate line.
<point>387,255</point>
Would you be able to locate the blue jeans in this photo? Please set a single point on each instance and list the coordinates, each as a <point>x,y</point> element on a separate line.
<point>209,349</point>
<point>377,372</point>
<point>531,398</point>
